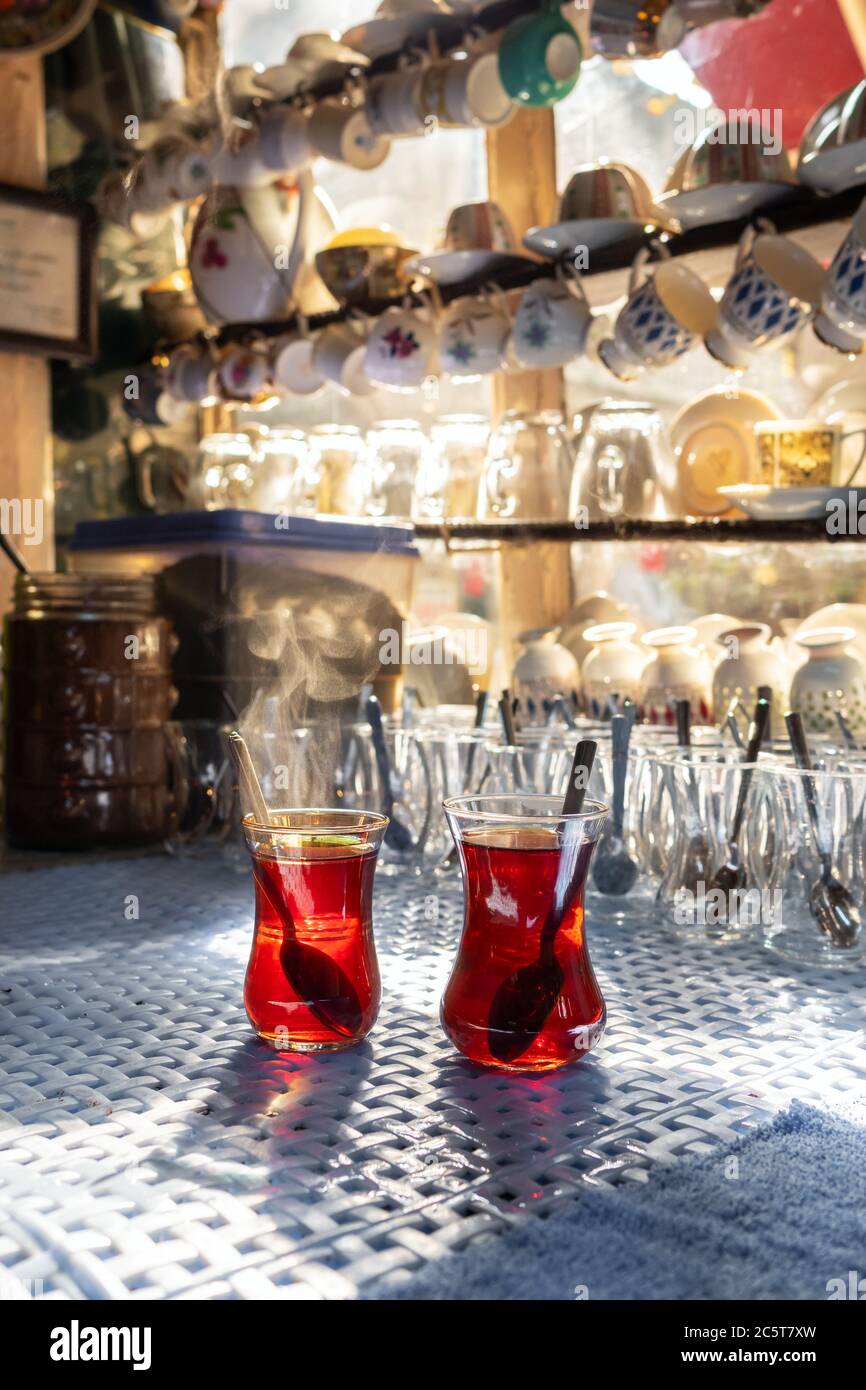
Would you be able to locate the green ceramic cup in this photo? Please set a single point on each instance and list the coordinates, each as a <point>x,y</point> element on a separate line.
<point>539,60</point>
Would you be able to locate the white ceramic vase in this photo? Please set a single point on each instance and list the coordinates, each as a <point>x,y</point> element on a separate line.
<point>748,662</point>
<point>613,666</point>
<point>544,669</point>
<point>677,670</point>
<point>831,678</point>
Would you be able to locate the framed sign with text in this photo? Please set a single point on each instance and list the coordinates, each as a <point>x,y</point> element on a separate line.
<point>47,275</point>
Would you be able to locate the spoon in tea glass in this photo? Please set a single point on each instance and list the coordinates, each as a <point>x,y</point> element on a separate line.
<point>833,906</point>
<point>523,1001</point>
<point>732,874</point>
<point>615,871</point>
<point>398,836</point>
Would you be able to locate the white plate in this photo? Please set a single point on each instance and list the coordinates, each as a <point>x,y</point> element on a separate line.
<point>714,444</point>
<point>764,503</point>
<point>834,169</point>
<point>595,233</point>
<point>452,267</point>
<point>724,202</point>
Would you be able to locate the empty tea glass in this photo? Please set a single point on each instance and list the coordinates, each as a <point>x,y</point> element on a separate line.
<point>819,870</point>
<point>457,765</point>
<point>715,886</point>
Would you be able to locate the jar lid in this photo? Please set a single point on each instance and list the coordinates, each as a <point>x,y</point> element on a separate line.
<point>84,595</point>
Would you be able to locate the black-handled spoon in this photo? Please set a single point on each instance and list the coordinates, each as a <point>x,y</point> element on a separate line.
<point>831,903</point>
<point>397,836</point>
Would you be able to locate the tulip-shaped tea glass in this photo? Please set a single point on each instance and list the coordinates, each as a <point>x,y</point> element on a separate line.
<point>312,982</point>
<point>522,994</point>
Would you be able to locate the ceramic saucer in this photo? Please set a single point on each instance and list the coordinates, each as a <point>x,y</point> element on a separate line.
<point>764,503</point>
<point>453,267</point>
<point>714,444</point>
<point>724,202</point>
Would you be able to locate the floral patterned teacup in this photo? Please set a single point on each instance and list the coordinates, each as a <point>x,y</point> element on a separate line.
<point>552,324</point>
<point>401,349</point>
<point>474,338</point>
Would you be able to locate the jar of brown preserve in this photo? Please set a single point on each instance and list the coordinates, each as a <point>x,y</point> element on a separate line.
<point>87,680</point>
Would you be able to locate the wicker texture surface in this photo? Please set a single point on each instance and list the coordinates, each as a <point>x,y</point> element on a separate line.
<point>151,1146</point>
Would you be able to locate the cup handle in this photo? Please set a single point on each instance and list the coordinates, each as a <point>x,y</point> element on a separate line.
<point>638,266</point>
<point>750,236</point>
<point>611,462</point>
<point>499,300</point>
<point>566,272</point>
<point>852,434</point>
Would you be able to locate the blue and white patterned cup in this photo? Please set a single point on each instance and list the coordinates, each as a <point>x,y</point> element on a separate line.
<point>661,319</point>
<point>774,290</point>
<point>841,323</point>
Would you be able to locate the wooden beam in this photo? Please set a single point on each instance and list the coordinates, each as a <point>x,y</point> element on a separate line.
<point>535,583</point>
<point>25,438</point>
<point>521,178</point>
<point>854,14</point>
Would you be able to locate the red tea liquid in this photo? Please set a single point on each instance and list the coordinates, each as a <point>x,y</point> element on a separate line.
<point>522,994</point>
<point>313,979</point>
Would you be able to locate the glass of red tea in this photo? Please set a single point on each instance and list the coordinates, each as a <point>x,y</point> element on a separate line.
<point>522,994</point>
<point>312,982</point>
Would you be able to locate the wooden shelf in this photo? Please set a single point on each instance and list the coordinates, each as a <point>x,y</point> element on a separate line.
<point>620,529</point>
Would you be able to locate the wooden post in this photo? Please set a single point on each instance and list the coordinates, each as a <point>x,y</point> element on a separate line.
<point>854,14</point>
<point>521,178</point>
<point>535,587</point>
<point>25,437</point>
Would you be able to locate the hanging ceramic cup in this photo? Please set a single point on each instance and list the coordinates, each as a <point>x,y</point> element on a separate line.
<point>539,58</point>
<point>189,374</point>
<point>841,324</point>
<point>401,349</point>
<point>772,293</point>
<point>663,316</point>
<point>474,337</point>
<point>339,355</point>
<point>552,323</point>
<point>292,365</point>
<point>343,134</point>
<point>465,91</point>
<point>243,374</point>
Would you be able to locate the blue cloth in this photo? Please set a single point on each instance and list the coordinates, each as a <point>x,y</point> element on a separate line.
<point>790,1222</point>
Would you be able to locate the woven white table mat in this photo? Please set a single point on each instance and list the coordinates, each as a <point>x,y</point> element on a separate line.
<point>151,1146</point>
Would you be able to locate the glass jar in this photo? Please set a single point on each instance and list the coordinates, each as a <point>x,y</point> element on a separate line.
<point>446,487</point>
<point>278,463</point>
<point>527,472</point>
<point>396,454</point>
<point>223,475</point>
<point>87,665</point>
<point>337,473</point>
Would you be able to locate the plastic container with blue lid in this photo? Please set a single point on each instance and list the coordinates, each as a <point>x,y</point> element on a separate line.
<point>224,575</point>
